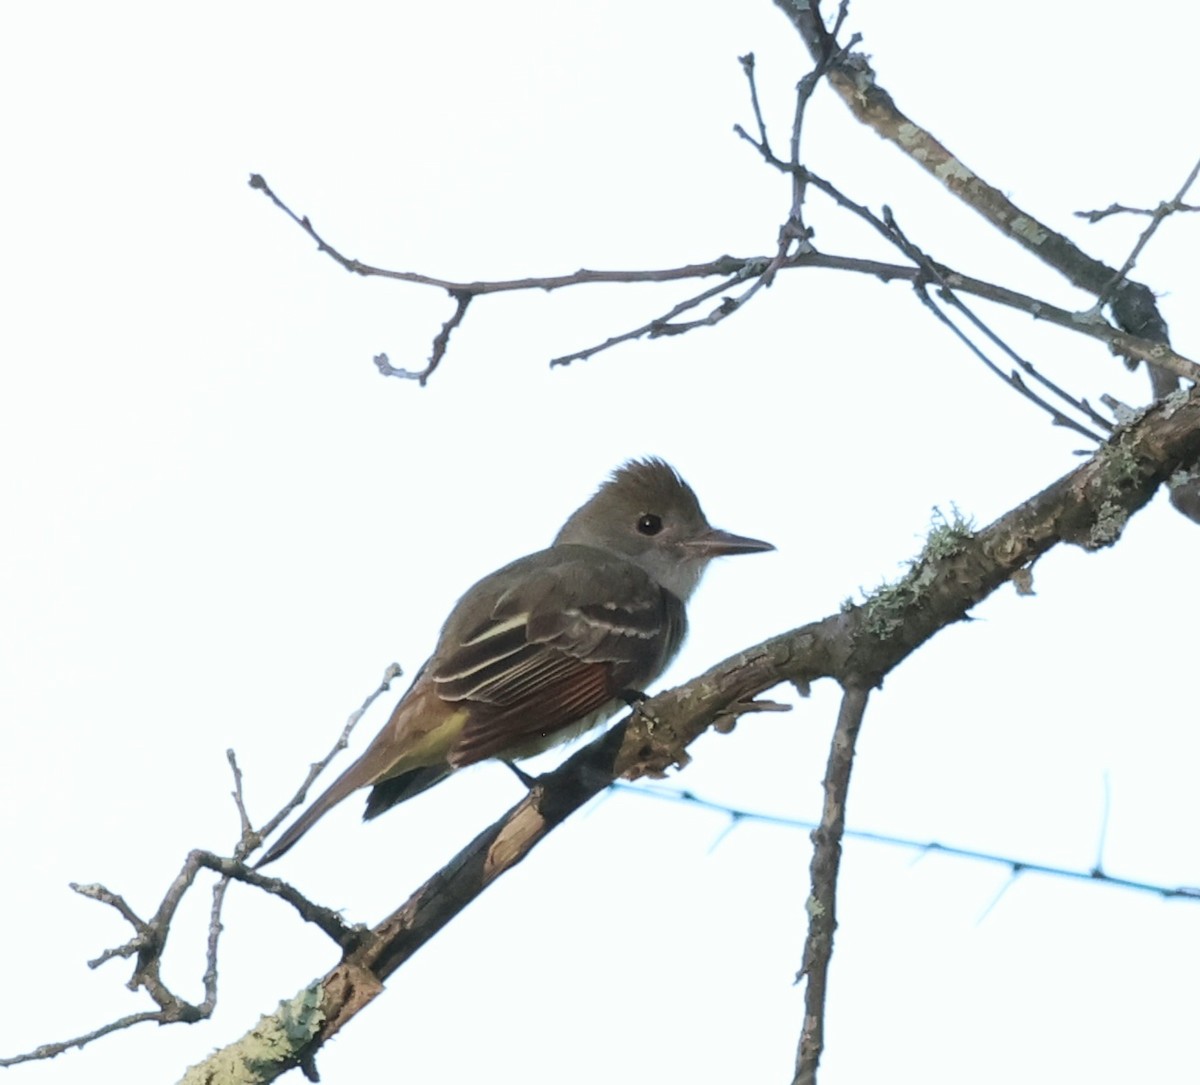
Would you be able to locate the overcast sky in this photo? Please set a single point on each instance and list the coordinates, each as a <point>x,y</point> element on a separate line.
<point>221,525</point>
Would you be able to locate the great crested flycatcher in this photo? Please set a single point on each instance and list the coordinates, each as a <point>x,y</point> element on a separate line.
<point>548,646</point>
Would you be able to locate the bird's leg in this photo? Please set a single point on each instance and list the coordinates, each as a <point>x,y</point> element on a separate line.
<point>524,777</point>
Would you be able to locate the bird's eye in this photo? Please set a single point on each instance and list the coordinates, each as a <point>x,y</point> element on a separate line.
<point>650,524</point>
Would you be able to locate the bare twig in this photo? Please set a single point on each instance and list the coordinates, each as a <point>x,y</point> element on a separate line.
<point>209,1002</point>
<point>150,936</point>
<point>49,1051</point>
<point>117,902</point>
<point>737,269</point>
<point>1120,209</point>
<point>1133,304</point>
<point>795,227</point>
<point>822,902</point>
<point>390,674</point>
<point>1094,326</point>
<point>663,325</point>
<point>327,920</point>
<point>239,799</point>
<point>887,228</point>
<point>1156,220</point>
<point>854,80</point>
<point>440,342</point>
<point>792,231</point>
<point>1012,379</point>
<point>747,63</point>
<point>724,265</point>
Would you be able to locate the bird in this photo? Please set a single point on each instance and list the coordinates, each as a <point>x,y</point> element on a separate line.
<point>548,646</point>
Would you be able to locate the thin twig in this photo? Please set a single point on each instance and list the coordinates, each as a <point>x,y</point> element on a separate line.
<point>927,268</point>
<point>98,892</point>
<point>326,920</point>
<point>440,342</point>
<point>1013,379</point>
<point>1134,305</point>
<point>150,936</point>
<point>1120,209</point>
<point>747,63</point>
<point>49,1051</point>
<point>855,82</point>
<point>804,92</point>
<point>1160,214</point>
<point>723,265</point>
<point>663,325</point>
<point>887,228</point>
<point>209,1003</point>
<point>239,798</point>
<point>1090,324</point>
<point>391,672</point>
<point>822,902</point>
<point>1159,354</point>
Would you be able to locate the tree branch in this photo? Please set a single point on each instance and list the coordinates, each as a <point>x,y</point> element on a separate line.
<point>854,80</point>
<point>858,646</point>
<point>822,903</point>
<point>1133,304</point>
<point>737,269</point>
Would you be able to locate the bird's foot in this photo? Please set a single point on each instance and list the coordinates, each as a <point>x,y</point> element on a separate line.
<point>636,700</point>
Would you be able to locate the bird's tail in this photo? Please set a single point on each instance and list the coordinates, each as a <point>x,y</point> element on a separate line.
<point>406,757</point>
<point>356,776</point>
<point>387,793</point>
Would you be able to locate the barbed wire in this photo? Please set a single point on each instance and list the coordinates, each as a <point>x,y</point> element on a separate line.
<point>739,815</point>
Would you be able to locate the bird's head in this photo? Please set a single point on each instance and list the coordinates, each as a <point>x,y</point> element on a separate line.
<point>648,514</point>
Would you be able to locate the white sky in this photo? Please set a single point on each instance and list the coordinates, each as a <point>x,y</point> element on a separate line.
<point>221,524</point>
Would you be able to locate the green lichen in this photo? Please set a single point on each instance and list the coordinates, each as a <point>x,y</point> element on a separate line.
<point>1175,400</point>
<point>1029,229</point>
<point>255,1057</point>
<point>884,608</point>
<point>953,170</point>
<point>1184,476</point>
<point>1108,526</point>
<point>1120,465</point>
<point>1121,471</point>
<point>947,536</point>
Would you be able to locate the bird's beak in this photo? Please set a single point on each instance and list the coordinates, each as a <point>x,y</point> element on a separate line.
<point>715,543</point>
